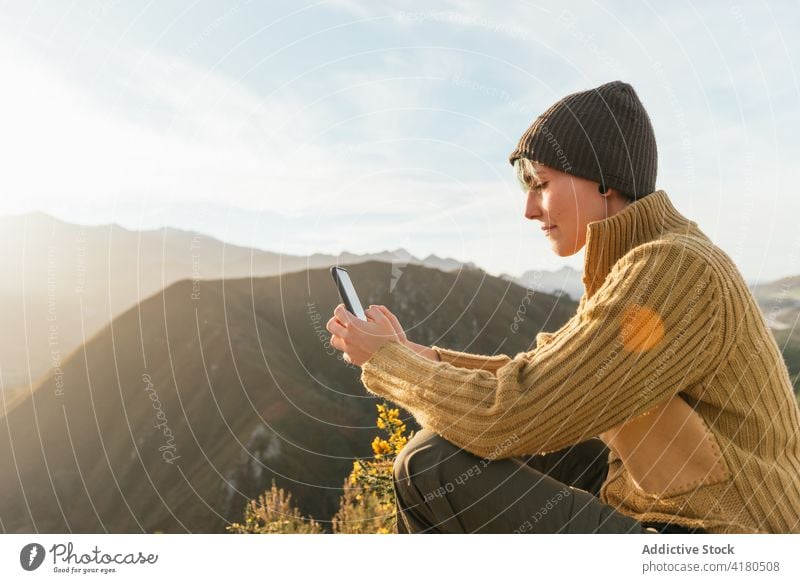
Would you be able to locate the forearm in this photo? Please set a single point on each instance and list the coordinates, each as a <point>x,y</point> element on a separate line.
<point>422,350</point>
<point>469,360</point>
<point>458,358</point>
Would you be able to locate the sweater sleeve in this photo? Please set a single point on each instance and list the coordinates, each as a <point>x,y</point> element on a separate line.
<point>472,361</point>
<point>651,329</point>
<point>491,363</point>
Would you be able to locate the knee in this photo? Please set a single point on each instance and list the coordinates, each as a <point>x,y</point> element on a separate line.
<point>420,459</point>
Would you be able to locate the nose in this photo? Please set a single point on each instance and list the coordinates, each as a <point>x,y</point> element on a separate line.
<point>533,209</point>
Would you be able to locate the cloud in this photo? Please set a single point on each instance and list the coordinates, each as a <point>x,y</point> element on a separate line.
<point>182,133</point>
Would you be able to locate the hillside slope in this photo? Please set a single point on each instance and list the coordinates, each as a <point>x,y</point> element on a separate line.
<point>183,408</point>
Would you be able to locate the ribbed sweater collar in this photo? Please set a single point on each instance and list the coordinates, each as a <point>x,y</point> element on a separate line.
<point>644,220</point>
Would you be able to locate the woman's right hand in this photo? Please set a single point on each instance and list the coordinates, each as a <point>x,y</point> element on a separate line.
<point>425,351</point>
<point>398,328</point>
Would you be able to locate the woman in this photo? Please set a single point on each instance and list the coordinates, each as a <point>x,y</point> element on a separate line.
<point>662,405</point>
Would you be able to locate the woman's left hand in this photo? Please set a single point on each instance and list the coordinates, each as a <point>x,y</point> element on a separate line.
<point>357,339</point>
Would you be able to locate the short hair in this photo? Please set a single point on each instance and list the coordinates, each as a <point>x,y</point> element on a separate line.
<point>525,172</point>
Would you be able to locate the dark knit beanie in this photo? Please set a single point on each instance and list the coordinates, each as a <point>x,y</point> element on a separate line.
<point>603,134</point>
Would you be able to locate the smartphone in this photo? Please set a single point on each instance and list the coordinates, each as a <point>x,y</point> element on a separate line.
<point>347,292</point>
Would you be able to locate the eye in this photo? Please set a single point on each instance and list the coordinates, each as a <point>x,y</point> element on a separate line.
<point>539,186</point>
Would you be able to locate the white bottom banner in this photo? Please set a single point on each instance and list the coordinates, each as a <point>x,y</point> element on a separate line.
<point>333,558</point>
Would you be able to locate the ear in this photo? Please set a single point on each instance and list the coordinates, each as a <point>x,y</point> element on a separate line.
<point>612,193</point>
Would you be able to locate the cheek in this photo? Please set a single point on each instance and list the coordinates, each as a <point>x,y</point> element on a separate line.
<point>562,208</point>
<point>583,208</point>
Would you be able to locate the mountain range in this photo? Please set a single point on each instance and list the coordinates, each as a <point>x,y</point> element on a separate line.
<point>185,406</point>
<point>158,380</point>
<point>64,282</point>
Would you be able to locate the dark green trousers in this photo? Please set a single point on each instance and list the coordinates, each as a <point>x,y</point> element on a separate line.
<point>441,488</point>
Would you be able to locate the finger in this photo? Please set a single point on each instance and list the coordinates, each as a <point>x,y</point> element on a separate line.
<point>385,328</point>
<point>338,343</point>
<point>335,327</point>
<point>374,313</point>
<point>346,318</point>
<point>341,312</point>
<point>375,316</point>
<point>392,318</point>
<point>398,330</point>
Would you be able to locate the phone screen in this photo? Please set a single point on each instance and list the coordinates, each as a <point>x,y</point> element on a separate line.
<point>348,292</point>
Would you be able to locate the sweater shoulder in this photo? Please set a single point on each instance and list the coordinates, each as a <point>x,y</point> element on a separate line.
<point>694,248</point>
<point>714,269</point>
<point>656,265</point>
<point>671,248</point>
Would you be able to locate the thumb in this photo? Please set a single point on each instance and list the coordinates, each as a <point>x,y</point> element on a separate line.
<point>375,314</point>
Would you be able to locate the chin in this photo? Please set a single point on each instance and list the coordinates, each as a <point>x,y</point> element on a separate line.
<point>561,252</point>
<point>565,250</point>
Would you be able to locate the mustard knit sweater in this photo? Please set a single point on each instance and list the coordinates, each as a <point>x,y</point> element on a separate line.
<point>668,359</point>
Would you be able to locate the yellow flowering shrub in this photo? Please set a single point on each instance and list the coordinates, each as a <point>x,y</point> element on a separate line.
<point>367,505</point>
<point>368,502</point>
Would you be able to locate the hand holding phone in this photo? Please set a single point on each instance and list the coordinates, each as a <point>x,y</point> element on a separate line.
<point>363,340</point>
<point>348,292</point>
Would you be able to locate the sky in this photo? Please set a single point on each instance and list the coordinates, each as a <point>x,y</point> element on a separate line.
<point>368,126</point>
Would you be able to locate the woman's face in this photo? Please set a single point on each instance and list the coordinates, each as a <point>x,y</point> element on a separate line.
<point>566,204</point>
